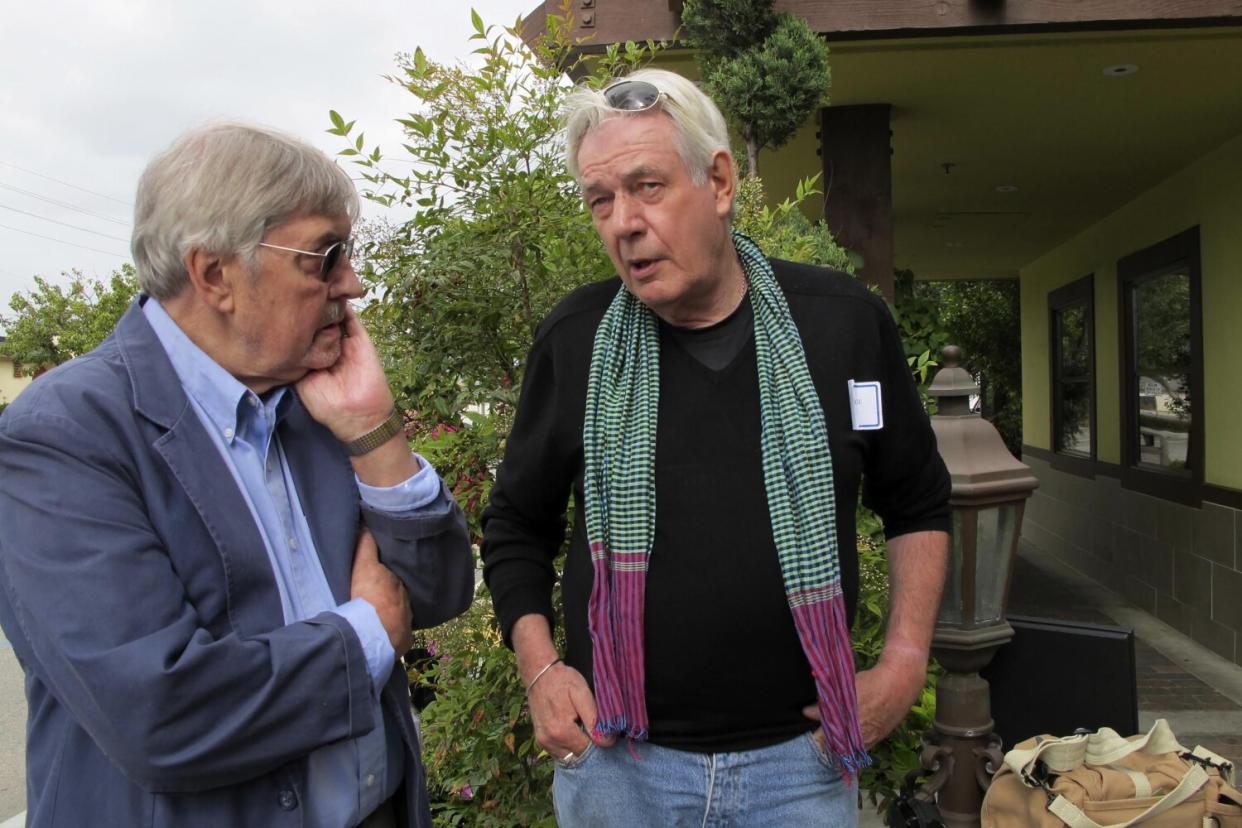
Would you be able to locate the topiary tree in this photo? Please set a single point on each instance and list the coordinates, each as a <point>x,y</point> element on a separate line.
<point>768,72</point>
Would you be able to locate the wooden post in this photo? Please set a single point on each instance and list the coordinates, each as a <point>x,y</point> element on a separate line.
<point>855,145</point>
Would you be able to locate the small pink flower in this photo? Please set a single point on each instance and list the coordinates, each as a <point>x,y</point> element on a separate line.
<point>467,792</point>
<point>431,649</point>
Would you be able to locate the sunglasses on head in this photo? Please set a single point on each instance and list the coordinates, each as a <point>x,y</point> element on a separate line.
<point>331,257</point>
<point>632,95</point>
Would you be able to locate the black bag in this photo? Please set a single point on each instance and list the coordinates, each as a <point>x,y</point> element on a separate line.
<point>907,812</point>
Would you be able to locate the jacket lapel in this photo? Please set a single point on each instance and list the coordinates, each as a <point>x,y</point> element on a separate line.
<point>253,598</point>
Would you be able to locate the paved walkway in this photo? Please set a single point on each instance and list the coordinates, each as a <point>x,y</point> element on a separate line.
<point>1197,691</point>
<point>12,736</point>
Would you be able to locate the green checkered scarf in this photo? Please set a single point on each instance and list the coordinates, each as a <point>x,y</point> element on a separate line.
<point>619,440</point>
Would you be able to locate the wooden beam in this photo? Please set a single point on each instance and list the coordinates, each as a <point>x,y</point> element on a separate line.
<point>894,17</point>
<point>855,145</point>
<point>616,21</point>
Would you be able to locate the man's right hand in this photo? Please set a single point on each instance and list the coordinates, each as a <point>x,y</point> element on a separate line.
<point>375,583</point>
<point>562,707</point>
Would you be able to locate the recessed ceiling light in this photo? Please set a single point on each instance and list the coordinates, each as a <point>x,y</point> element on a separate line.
<point>1006,188</point>
<point>1120,70</point>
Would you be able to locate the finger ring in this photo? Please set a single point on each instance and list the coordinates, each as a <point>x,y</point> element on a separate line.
<point>568,757</point>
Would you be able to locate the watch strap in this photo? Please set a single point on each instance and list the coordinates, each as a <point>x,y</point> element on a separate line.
<point>377,436</point>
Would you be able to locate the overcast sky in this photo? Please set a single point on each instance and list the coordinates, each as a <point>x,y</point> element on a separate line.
<point>91,90</point>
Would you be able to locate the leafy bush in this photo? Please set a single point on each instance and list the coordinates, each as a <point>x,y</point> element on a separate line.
<point>898,755</point>
<point>484,767</point>
<point>784,231</point>
<point>501,235</point>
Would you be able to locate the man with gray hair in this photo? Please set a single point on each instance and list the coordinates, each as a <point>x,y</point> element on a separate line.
<point>216,538</point>
<point>714,414</point>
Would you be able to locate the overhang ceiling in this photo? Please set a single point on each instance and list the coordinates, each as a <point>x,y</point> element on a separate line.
<point>1039,114</point>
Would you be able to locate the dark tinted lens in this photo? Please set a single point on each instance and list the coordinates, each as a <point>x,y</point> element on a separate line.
<point>333,257</point>
<point>631,96</point>
<point>329,261</point>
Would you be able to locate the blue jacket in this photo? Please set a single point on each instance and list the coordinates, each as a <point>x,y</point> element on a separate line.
<point>164,686</point>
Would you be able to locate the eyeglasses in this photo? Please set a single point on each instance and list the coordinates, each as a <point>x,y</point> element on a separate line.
<point>632,95</point>
<point>331,257</point>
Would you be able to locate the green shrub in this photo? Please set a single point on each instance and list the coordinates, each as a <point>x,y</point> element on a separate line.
<point>500,236</point>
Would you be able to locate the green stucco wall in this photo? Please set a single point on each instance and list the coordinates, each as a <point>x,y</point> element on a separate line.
<point>1208,193</point>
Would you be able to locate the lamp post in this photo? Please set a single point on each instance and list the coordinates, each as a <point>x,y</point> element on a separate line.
<point>989,492</point>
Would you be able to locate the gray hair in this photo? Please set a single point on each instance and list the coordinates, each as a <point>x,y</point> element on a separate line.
<point>220,188</point>
<point>701,129</point>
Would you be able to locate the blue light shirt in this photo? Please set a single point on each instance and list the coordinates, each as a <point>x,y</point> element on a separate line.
<point>346,780</point>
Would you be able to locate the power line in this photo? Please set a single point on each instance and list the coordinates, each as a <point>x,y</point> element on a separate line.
<point>62,223</point>
<point>64,204</point>
<point>67,184</point>
<point>62,241</point>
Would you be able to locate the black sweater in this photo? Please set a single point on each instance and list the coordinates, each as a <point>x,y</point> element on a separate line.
<point>724,667</point>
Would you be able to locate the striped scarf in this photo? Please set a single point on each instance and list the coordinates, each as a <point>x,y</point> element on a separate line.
<point>619,439</point>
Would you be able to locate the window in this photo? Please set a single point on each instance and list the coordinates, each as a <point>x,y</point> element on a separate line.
<point>1071,313</point>
<point>1162,369</point>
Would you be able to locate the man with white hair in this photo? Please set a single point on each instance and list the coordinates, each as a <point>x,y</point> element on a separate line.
<point>216,539</point>
<point>714,414</point>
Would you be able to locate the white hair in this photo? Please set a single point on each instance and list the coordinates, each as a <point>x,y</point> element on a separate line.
<point>701,129</point>
<point>220,188</point>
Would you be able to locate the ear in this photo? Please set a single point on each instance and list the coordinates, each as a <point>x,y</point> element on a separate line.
<point>722,176</point>
<point>212,278</point>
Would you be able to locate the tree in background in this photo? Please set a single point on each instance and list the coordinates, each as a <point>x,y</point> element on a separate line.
<point>983,317</point>
<point>768,72</point>
<point>51,324</point>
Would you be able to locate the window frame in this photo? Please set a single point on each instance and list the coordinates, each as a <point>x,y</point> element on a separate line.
<point>1078,292</point>
<point>1174,253</point>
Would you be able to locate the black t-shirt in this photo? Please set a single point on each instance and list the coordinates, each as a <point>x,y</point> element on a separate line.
<point>724,667</point>
<point>715,346</point>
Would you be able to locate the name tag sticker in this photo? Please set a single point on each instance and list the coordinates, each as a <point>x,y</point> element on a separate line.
<point>866,412</point>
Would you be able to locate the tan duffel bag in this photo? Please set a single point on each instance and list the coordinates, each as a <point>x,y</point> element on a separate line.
<point>1103,780</point>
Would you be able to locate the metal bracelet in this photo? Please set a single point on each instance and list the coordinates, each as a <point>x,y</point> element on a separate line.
<point>539,675</point>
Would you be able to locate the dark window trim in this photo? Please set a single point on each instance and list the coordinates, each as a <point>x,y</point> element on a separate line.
<point>1078,466</point>
<point>1177,251</point>
<point>1080,291</point>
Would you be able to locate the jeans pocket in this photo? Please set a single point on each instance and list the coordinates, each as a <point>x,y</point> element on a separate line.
<point>817,747</point>
<point>576,760</point>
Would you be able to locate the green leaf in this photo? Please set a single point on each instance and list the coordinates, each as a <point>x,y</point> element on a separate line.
<point>476,21</point>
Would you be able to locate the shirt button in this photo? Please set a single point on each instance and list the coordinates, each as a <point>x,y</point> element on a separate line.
<point>269,466</point>
<point>370,779</point>
<point>288,800</point>
<point>228,434</point>
<point>293,543</point>
<point>253,402</point>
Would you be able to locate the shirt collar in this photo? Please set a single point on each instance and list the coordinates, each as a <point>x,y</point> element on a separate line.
<point>220,395</point>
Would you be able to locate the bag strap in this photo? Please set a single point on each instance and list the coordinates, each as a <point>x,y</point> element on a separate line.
<point>1072,815</point>
<point>1103,747</point>
<point>1106,747</point>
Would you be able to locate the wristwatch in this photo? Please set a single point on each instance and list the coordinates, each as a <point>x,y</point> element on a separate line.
<point>377,436</point>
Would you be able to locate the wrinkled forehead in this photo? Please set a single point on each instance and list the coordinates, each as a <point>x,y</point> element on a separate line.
<point>629,143</point>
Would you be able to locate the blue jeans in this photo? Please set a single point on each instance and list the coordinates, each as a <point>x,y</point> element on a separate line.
<point>791,783</point>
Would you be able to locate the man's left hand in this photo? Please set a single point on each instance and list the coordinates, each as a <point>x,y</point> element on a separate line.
<point>352,396</point>
<point>885,694</point>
